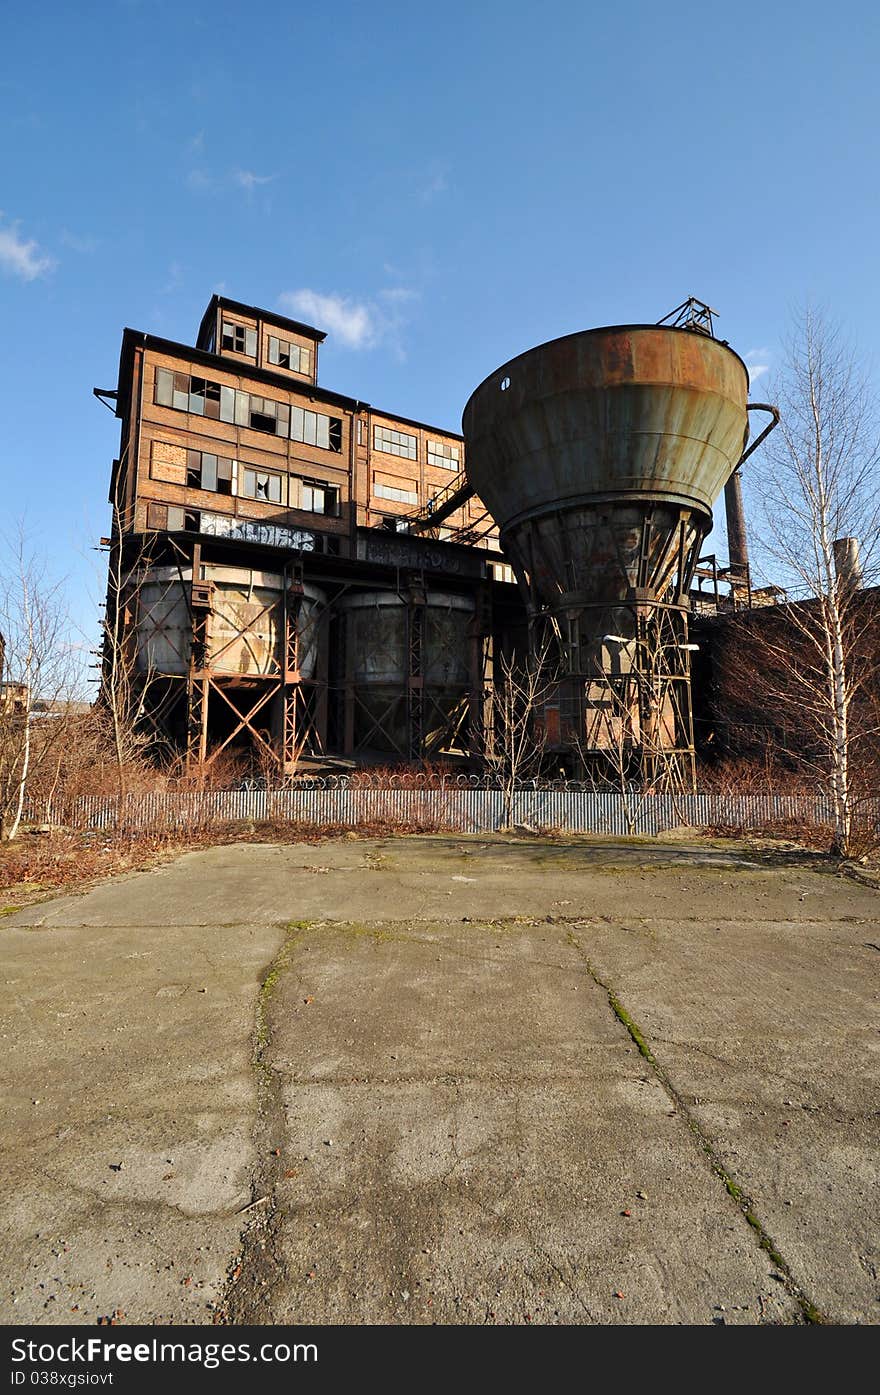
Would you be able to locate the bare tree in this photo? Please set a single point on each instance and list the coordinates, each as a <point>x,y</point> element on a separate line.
<point>516,735</point>
<point>38,676</point>
<point>819,482</point>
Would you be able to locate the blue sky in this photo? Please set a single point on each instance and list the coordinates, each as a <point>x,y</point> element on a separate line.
<point>440,187</point>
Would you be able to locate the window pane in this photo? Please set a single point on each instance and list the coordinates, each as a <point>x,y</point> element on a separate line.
<point>323,437</point>
<point>181,400</point>
<point>242,408</point>
<point>273,349</point>
<point>164,387</point>
<point>310,428</point>
<point>296,423</point>
<point>227,404</point>
<point>175,520</point>
<point>209,471</point>
<point>251,342</point>
<point>282,419</point>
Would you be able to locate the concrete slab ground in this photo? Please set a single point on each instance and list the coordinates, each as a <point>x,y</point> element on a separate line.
<point>445,1079</point>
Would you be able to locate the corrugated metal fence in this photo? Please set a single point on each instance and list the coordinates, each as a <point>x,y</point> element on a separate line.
<point>467,809</point>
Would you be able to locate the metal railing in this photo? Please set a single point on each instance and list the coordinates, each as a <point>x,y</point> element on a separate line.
<point>460,806</point>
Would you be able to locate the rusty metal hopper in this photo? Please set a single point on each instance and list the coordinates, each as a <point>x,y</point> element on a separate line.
<point>573,444</point>
<point>600,456</point>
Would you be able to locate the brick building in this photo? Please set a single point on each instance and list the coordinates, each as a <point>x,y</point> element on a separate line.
<point>294,572</point>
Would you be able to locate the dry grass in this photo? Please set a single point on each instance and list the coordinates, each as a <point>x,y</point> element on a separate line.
<point>38,864</point>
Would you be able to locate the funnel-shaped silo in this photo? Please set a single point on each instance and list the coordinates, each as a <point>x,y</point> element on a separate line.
<point>600,455</point>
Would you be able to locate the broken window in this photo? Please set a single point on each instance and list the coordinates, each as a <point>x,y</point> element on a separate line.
<point>265,414</point>
<point>204,470</point>
<point>204,398</point>
<point>262,485</point>
<point>445,457</point>
<point>320,498</point>
<point>286,354</point>
<point>315,429</point>
<point>239,339</point>
<point>224,474</point>
<point>392,442</point>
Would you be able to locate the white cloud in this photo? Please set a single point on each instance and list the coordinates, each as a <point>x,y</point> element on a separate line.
<point>248,180</point>
<point>352,322</point>
<point>398,295</point>
<point>86,246</point>
<point>202,181</point>
<point>199,181</point>
<point>756,362</point>
<point>356,324</point>
<point>175,279</point>
<point>22,259</point>
<point>435,186</point>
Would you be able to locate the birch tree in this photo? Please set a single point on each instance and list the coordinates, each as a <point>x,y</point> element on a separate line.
<point>820,481</point>
<point>38,672</point>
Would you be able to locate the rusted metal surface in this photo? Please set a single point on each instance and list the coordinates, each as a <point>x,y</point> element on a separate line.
<point>632,411</point>
<point>737,540</point>
<point>243,622</point>
<point>600,456</point>
<point>405,651</point>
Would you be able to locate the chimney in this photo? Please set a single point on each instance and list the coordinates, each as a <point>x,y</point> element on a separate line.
<point>846,562</point>
<point>737,542</point>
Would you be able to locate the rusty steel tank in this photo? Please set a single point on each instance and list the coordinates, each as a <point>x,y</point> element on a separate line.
<point>600,455</point>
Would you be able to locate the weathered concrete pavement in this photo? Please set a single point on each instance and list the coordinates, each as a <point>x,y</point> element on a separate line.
<point>437,1098</point>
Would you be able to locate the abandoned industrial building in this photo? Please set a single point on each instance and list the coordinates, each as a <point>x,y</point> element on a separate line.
<point>301,576</point>
<point>267,595</point>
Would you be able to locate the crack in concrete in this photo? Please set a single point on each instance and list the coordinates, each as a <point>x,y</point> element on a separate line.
<point>259,1265</point>
<point>810,1313</point>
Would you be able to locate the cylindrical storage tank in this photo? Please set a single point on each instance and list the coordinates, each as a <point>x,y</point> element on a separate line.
<point>244,623</point>
<point>246,618</point>
<point>377,638</point>
<point>163,627</point>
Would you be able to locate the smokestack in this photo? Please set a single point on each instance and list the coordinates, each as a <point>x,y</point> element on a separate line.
<point>737,542</point>
<point>846,562</point>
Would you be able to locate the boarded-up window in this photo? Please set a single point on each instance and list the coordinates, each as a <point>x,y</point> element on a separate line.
<point>168,462</point>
